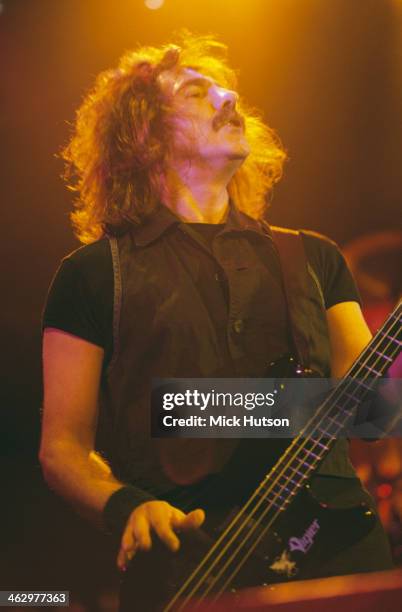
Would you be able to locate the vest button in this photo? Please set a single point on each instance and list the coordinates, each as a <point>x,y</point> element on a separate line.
<point>238,326</point>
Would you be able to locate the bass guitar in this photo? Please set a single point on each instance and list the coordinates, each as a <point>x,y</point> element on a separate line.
<point>282,532</point>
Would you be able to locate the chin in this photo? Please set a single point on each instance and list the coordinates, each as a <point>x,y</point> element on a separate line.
<point>230,153</point>
<point>239,153</point>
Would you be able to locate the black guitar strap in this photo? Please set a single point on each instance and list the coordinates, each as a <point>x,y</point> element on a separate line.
<point>305,302</point>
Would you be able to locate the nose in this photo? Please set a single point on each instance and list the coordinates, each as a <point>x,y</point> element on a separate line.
<point>221,97</point>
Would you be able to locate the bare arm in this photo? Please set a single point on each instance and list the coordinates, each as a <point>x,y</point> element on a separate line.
<point>72,369</point>
<point>349,335</point>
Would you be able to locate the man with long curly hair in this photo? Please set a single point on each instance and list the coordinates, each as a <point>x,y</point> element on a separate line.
<point>180,276</point>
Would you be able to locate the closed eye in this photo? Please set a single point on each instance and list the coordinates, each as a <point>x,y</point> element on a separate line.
<point>195,92</point>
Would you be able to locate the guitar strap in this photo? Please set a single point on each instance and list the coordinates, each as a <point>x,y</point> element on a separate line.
<point>305,301</point>
<point>309,328</point>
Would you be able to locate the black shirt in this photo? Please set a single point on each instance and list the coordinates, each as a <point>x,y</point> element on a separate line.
<point>195,334</point>
<point>80,299</point>
<point>80,302</point>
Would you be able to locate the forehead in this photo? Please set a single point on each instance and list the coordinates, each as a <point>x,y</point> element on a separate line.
<point>172,80</point>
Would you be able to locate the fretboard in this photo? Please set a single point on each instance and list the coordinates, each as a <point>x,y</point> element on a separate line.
<point>334,415</point>
<point>302,458</point>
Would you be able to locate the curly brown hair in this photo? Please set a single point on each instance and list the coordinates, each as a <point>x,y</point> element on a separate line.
<point>115,158</point>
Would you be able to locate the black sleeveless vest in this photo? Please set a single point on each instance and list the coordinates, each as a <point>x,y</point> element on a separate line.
<point>153,301</point>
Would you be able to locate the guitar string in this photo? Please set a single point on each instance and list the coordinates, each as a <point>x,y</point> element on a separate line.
<point>266,510</point>
<point>251,548</point>
<point>254,544</point>
<point>257,492</point>
<point>381,337</point>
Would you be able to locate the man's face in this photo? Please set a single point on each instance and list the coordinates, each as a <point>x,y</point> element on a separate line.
<point>208,127</point>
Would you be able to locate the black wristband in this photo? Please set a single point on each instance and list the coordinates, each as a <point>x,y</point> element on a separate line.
<point>120,505</point>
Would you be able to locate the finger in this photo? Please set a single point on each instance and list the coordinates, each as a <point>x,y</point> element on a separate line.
<point>192,520</point>
<point>142,533</point>
<point>127,548</point>
<point>163,529</point>
<point>123,559</point>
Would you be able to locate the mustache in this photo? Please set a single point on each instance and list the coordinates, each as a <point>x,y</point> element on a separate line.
<point>228,116</point>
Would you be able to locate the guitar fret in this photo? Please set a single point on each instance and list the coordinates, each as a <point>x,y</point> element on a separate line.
<point>303,476</point>
<point>335,421</point>
<point>357,391</point>
<point>275,499</point>
<point>391,338</point>
<point>302,462</point>
<point>326,433</point>
<point>290,491</point>
<point>322,445</point>
<point>276,493</point>
<point>284,487</point>
<point>297,484</point>
<point>344,412</point>
<point>309,452</point>
<point>351,396</point>
<point>361,384</point>
<point>372,370</point>
<point>282,499</point>
<point>384,356</point>
<point>273,503</point>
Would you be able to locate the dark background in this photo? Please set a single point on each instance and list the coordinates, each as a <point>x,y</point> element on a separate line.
<point>326,75</point>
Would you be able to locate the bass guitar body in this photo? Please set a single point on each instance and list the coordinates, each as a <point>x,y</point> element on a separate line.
<point>296,547</point>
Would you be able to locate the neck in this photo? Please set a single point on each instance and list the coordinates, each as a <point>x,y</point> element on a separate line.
<point>198,195</point>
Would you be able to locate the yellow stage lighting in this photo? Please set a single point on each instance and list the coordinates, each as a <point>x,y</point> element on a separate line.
<point>154,4</point>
